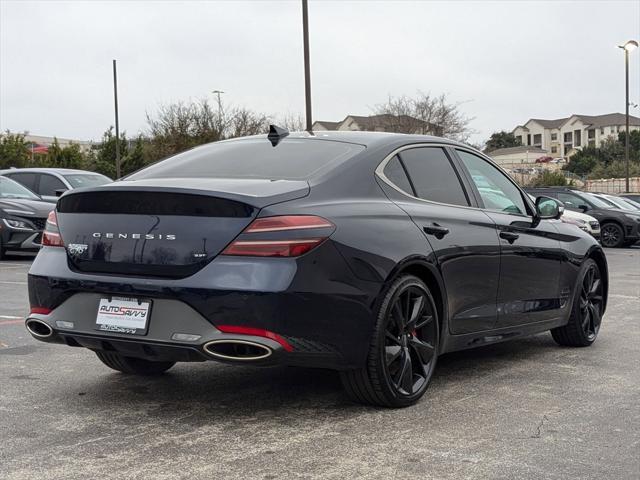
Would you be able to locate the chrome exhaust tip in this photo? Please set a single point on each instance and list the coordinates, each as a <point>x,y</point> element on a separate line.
<point>38,328</point>
<point>237,350</point>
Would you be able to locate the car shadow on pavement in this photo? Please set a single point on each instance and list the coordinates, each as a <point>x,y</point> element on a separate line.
<point>208,389</point>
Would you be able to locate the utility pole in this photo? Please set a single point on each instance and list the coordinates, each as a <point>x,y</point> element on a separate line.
<point>307,73</point>
<point>627,47</point>
<point>115,99</point>
<point>220,126</point>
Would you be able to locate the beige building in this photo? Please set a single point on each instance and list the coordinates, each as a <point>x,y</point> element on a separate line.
<point>563,136</point>
<point>380,123</point>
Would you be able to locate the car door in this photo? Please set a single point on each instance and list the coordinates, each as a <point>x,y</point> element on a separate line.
<point>531,255</point>
<point>463,239</point>
<point>48,186</point>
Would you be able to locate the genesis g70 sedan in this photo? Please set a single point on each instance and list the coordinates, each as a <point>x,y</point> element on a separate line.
<point>368,253</point>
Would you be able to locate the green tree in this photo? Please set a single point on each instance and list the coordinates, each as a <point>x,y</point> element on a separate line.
<point>14,150</point>
<point>64,157</point>
<point>102,158</point>
<point>634,143</point>
<point>547,178</point>
<point>134,158</point>
<point>501,139</point>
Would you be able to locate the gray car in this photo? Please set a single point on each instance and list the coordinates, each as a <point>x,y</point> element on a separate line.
<point>50,183</point>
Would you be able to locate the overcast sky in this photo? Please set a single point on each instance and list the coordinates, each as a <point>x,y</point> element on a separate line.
<point>507,61</point>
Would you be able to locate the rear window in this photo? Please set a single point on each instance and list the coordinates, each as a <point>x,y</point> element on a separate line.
<point>291,159</point>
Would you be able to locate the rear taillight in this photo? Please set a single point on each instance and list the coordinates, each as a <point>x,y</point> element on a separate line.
<point>51,236</point>
<point>292,241</point>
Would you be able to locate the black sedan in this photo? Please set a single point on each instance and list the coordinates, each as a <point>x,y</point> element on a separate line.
<point>367,253</point>
<point>22,217</point>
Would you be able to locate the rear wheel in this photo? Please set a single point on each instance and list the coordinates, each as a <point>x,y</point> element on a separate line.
<point>586,314</point>
<point>611,235</point>
<point>403,349</point>
<point>133,366</point>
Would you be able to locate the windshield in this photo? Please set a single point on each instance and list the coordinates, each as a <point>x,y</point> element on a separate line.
<point>624,204</point>
<point>597,201</point>
<point>12,189</point>
<point>79,180</point>
<point>291,159</point>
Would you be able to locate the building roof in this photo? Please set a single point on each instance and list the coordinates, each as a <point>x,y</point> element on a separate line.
<point>328,125</point>
<point>595,121</point>
<point>519,149</point>
<point>385,121</point>
<point>557,123</point>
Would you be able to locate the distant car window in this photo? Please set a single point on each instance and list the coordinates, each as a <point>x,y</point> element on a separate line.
<point>570,200</point>
<point>11,189</point>
<point>49,184</point>
<point>292,159</point>
<point>79,180</point>
<point>25,178</point>
<point>433,176</point>
<point>497,191</point>
<point>394,171</point>
<point>597,201</point>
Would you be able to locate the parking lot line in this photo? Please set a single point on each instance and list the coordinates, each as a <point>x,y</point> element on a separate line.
<point>11,322</point>
<point>12,283</point>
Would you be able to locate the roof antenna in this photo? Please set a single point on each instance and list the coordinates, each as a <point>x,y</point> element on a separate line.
<point>276,134</point>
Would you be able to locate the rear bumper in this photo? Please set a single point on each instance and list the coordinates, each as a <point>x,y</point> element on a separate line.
<point>313,303</point>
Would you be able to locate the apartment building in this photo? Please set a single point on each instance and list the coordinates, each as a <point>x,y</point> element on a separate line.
<point>563,136</point>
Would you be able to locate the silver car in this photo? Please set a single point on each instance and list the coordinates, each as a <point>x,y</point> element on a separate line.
<point>50,183</point>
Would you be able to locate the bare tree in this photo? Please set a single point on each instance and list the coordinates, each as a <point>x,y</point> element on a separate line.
<point>294,122</point>
<point>424,114</point>
<point>179,126</point>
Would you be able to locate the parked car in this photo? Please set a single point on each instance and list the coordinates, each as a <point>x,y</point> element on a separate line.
<point>22,217</point>
<point>619,202</point>
<point>583,221</point>
<point>50,183</point>
<point>632,196</point>
<point>618,227</point>
<point>543,159</point>
<point>368,253</point>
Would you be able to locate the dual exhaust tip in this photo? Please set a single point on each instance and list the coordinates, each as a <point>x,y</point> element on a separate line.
<point>38,328</point>
<point>237,350</point>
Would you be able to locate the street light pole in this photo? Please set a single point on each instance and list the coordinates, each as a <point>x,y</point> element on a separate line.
<point>218,92</point>
<point>115,99</point>
<point>307,73</point>
<point>627,47</point>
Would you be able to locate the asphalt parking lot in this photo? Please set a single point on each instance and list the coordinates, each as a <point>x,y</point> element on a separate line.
<point>525,409</point>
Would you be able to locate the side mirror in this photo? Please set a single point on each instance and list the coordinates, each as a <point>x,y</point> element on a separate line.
<point>549,208</point>
<point>584,208</point>
<point>60,191</point>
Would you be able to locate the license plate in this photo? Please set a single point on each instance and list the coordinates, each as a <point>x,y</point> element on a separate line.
<point>123,315</point>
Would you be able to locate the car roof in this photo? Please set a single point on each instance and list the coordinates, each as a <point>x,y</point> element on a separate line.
<point>46,170</point>
<point>368,139</point>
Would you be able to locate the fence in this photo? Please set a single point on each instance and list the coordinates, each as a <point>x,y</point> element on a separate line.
<point>612,185</point>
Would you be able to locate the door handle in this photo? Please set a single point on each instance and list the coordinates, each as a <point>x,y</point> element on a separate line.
<point>509,236</point>
<point>436,230</point>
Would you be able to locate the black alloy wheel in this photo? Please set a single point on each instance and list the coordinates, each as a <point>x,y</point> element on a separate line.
<point>586,315</point>
<point>611,235</point>
<point>404,348</point>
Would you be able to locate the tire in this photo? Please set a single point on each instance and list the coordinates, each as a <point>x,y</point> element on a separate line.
<point>133,366</point>
<point>586,312</point>
<point>403,351</point>
<point>611,235</point>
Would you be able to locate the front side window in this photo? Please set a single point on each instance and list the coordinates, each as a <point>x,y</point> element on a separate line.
<point>497,191</point>
<point>570,200</point>
<point>433,176</point>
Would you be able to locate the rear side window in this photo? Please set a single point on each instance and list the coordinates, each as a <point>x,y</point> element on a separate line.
<point>49,184</point>
<point>394,171</point>
<point>291,159</point>
<point>26,179</point>
<point>433,176</point>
